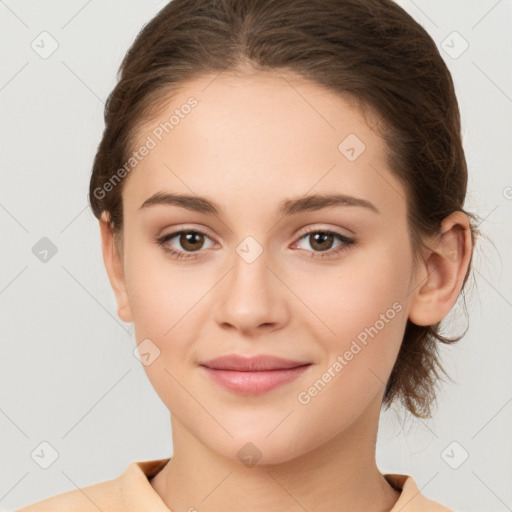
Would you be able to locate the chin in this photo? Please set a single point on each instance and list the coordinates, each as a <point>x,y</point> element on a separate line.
<point>253,447</point>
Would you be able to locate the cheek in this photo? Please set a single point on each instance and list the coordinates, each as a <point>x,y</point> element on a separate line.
<point>161,294</point>
<point>161,301</point>
<point>366,289</point>
<point>167,309</point>
<point>368,314</point>
<point>364,303</point>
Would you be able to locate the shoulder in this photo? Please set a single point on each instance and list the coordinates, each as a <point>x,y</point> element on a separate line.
<point>104,496</point>
<point>411,499</point>
<point>129,491</point>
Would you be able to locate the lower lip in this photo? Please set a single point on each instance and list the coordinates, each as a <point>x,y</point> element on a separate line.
<point>254,383</point>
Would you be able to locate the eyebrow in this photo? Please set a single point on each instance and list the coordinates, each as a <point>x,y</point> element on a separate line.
<point>286,207</point>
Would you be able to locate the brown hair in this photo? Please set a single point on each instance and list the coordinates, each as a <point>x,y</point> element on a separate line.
<point>368,50</point>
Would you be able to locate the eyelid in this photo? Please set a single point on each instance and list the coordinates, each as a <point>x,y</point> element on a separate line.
<point>179,228</point>
<point>316,227</point>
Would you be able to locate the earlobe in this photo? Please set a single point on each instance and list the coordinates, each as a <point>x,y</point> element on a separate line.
<point>114,266</point>
<point>441,274</point>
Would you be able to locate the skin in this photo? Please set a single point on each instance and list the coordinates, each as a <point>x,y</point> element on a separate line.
<point>254,140</point>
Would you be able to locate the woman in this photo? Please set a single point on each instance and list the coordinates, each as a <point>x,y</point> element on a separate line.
<point>280,190</point>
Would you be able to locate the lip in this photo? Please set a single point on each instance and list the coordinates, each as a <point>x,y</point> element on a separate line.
<point>253,375</point>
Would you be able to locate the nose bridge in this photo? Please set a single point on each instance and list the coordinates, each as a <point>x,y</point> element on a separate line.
<point>250,277</point>
<point>250,295</point>
<point>250,265</point>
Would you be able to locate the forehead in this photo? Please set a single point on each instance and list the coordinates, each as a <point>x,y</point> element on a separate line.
<point>259,137</point>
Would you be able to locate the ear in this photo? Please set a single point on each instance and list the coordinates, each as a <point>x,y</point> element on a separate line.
<point>441,273</point>
<point>114,265</point>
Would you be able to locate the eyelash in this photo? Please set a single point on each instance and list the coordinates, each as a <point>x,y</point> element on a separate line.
<point>183,255</point>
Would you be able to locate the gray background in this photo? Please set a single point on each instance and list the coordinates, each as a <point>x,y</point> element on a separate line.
<point>68,374</point>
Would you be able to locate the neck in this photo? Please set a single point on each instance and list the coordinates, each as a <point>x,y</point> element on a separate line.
<point>339,475</point>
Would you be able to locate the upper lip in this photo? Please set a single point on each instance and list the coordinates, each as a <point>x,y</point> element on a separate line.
<point>251,364</point>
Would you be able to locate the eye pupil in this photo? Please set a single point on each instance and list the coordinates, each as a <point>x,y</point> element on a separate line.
<point>320,240</point>
<point>191,240</point>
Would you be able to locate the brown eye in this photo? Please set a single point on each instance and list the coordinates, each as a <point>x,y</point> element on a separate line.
<point>191,240</point>
<point>323,243</point>
<point>321,240</point>
<point>182,244</point>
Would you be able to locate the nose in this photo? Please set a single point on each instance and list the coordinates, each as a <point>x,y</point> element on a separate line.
<point>251,299</point>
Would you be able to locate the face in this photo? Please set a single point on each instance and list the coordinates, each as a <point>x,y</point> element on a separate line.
<point>247,267</point>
